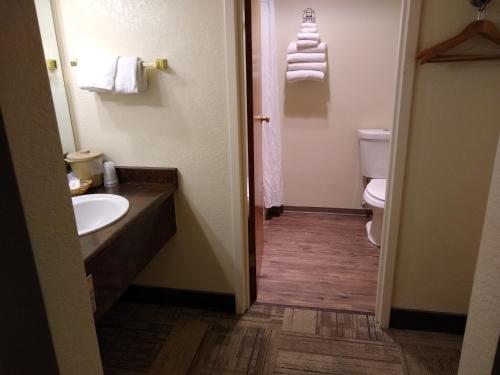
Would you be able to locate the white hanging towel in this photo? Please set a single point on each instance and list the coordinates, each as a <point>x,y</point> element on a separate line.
<point>302,75</point>
<point>96,74</point>
<point>320,66</point>
<point>130,76</point>
<point>305,57</point>
<point>308,36</point>
<point>293,48</point>
<point>307,43</point>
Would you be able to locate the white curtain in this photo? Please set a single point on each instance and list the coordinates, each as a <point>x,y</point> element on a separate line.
<point>271,132</point>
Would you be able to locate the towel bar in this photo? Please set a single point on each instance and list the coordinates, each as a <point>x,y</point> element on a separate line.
<point>159,63</point>
<point>51,64</point>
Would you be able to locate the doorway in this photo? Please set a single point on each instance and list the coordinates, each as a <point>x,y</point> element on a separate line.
<point>320,227</point>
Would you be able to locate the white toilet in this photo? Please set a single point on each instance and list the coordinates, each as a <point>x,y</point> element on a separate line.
<point>374,160</point>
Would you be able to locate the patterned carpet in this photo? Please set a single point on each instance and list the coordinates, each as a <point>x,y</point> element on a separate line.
<point>149,339</point>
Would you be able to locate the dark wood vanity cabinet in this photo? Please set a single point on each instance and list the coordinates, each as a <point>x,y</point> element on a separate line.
<point>115,255</point>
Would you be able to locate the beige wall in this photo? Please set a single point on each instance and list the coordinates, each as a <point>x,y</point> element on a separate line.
<point>181,121</point>
<point>483,323</point>
<point>320,120</point>
<point>31,128</point>
<point>453,133</point>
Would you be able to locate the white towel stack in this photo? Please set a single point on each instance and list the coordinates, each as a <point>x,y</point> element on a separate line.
<point>307,56</point>
<point>118,75</point>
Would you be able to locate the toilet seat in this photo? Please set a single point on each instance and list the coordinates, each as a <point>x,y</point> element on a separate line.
<point>375,192</point>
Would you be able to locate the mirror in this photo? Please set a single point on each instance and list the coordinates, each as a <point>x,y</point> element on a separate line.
<point>55,73</point>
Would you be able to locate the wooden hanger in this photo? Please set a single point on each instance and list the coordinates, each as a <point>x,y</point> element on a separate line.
<point>484,28</point>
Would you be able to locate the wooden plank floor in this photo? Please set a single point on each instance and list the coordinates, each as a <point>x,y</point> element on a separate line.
<point>140,339</point>
<point>320,261</point>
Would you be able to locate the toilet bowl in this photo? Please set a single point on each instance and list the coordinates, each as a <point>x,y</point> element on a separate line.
<point>374,145</point>
<point>374,196</point>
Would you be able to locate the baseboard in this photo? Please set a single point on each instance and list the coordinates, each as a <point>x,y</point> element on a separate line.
<point>427,321</point>
<point>496,362</point>
<point>274,211</point>
<point>328,210</point>
<point>181,298</point>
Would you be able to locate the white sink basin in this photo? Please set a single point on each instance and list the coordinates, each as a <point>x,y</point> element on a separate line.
<point>95,211</point>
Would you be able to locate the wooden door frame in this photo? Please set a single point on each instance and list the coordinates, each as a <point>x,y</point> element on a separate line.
<point>252,261</point>
<point>408,42</point>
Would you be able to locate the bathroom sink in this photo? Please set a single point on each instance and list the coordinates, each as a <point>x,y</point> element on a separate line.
<point>95,211</point>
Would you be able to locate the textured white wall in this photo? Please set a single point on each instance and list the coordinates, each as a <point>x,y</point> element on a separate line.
<point>451,148</point>
<point>320,120</point>
<point>181,121</point>
<point>483,321</point>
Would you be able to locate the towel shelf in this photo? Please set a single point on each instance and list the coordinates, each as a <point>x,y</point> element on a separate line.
<point>159,63</point>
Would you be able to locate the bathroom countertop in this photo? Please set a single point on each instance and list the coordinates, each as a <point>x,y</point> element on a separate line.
<point>142,197</point>
<point>145,188</point>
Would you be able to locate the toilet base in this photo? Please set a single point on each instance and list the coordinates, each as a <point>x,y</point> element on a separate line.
<point>371,237</point>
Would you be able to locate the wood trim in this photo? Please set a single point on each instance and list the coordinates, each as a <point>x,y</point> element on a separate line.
<point>328,210</point>
<point>181,298</point>
<point>25,328</point>
<point>419,320</point>
<point>250,147</point>
<point>410,26</point>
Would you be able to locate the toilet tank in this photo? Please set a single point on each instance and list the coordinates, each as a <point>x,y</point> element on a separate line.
<point>374,152</point>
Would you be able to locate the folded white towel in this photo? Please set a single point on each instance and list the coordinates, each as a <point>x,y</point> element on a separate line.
<point>130,76</point>
<point>307,24</point>
<point>308,36</point>
<point>293,48</point>
<point>308,30</point>
<point>305,57</point>
<point>302,75</point>
<point>96,74</point>
<point>319,66</point>
<point>307,43</point>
